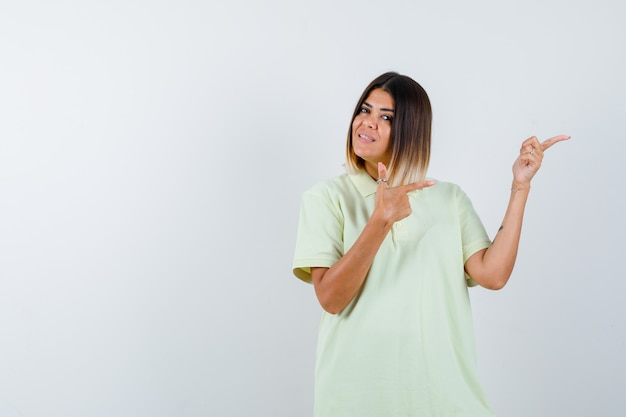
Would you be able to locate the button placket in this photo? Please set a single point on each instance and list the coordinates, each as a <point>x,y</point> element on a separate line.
<point>399,230</point>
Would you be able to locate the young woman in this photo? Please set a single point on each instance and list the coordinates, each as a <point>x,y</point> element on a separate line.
<point>390,255</point>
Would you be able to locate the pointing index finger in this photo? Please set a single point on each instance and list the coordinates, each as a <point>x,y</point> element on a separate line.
<point>419,185</point>
<point>549,142</point>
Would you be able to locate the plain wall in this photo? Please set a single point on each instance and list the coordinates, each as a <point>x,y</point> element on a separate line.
<point>152,158</point>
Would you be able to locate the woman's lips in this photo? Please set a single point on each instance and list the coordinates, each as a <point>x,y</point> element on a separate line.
<point>365,138</point>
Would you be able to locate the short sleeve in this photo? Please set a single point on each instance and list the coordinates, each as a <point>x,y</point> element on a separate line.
<point>319,241</point>
<point>473,234</point>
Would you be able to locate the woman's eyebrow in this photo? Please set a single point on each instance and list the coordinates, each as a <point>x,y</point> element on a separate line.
<point>365,103</point>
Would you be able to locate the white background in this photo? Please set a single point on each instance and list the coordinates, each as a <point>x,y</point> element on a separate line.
<point>152,158</point>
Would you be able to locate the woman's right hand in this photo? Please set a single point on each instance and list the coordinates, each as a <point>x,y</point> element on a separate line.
<point>336,286</point>
<point>392,203</point>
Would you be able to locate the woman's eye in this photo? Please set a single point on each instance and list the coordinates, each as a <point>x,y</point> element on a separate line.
<point>387,117</point>
<point>364,110</point>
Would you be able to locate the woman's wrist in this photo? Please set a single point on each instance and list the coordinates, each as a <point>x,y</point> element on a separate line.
<point>380,220</point>
<point>520,186</point>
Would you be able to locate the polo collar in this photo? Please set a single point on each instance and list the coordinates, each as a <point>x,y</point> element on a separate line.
<point>363,182</point>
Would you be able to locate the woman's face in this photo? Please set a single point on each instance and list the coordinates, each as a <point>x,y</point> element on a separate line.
<point>371,130</point>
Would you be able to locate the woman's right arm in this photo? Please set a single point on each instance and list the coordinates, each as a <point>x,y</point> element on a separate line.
<point>336,286</point>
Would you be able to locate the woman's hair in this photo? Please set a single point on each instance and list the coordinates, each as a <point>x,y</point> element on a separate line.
<point>410,129</point>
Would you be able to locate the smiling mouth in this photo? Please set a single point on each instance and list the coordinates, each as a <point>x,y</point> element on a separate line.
<point>365,138</point>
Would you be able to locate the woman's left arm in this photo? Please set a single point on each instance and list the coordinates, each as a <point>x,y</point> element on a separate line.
<point>492,267</point>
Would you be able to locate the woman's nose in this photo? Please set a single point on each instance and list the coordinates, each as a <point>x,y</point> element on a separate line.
<point>369,121</point>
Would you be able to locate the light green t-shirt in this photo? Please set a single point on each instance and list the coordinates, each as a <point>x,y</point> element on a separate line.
<point>404,346</point>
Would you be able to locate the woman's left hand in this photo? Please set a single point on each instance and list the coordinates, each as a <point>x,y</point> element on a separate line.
<point>528,162</point>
